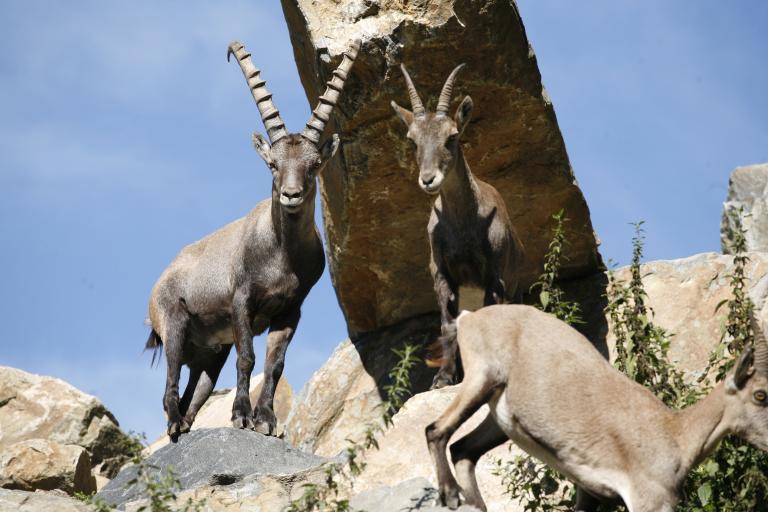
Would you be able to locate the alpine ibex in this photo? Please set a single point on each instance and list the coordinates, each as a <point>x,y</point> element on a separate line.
<point>250,275</point>
<point>557,398</point>
<point>472,240</point>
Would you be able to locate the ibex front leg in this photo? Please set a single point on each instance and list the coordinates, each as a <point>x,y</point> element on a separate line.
<point>447,299</point>
<point>242,414</point>
<point>280,335</point>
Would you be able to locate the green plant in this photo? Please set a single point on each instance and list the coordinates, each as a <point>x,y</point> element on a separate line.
<point>160,488</point>
<point>642,348</point>
<point>329,496</point>
<point>95,503</point>
<point>551,296</point>
<point>534,485</point>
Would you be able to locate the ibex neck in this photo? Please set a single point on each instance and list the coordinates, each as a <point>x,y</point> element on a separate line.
<point>700,427</point>
<point>459,191</point>
<point>292,229</point>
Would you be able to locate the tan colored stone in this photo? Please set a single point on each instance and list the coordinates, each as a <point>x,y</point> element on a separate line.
<point>374,213</point>
<point>25,501</point>
<point>747,190</point>
<point>38,407</point>
<point>217,411</point>
<point>684,293</point>
<point>345,393</point>
<point>47,465</point>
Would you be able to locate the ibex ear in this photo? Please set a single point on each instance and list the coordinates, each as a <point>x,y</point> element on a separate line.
<point>263,148</point>
<point>404,114</point>
<point>328,149</point>
<point>742,372</point>
<point>464,113</point>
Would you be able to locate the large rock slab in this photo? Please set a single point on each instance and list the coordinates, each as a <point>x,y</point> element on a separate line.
<point>38,407</point>
<point>747,189</point>
<point>211,457</point>
<point>25,501</point>
<point>375,215</point>
<point>217,411</point>
<point>44,464</point>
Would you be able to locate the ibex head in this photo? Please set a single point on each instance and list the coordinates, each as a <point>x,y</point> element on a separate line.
<point>436,135</point>
<point>747,391</point>
<point>294,159</point>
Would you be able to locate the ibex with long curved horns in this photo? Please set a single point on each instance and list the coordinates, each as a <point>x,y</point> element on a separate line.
<point>552,393</point>
<point>250,275</point>
<point>472,240</point>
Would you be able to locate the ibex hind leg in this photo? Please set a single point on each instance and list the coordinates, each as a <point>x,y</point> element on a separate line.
<point>467,451</point>
<point>472,394</point>
<point>206,370</point>
<point>173,342</point>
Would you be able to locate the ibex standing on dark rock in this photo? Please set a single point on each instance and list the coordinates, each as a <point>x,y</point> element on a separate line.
<point>250,275</point>
<point>472,240</point>
<point>552,393</point>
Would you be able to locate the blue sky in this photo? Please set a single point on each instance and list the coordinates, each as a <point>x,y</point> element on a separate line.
<point>125,135</point>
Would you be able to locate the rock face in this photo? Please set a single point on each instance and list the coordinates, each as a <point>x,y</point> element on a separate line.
<point>219,456</point>
<point>47,465</point>
<point>375,215</point>
<point>747,189</point>
<point>217,410</point>
<point>37,407</point>
<point>684,294</point>
<point>344,394</point>
<point>24,501</point>
<point>413,494</point>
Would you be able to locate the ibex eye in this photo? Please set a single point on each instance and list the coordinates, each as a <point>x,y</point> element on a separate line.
<point>760,396</point>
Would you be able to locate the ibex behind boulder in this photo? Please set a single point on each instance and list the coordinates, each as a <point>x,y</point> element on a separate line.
<point>250,275</point>
<point>472,240</point>
<point>555,396</point>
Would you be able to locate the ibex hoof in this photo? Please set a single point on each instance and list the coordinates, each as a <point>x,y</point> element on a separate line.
<point>174,430</point>
<point>265,421</point>
<point>185,427</point>
<point>243,422</point>
<point>441,381</point>
<point>449,497</point>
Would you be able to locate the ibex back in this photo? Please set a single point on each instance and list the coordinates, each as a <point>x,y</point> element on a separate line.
<point>250,275</point>
<point>472,240</point>
<point>555,396</point>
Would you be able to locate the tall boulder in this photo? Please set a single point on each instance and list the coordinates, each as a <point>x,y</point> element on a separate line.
<point>375,215</point>
<point>39,407</point>
<point>747,190</point>
<point>46,465</point>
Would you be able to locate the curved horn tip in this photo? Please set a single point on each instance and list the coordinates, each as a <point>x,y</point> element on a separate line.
<point>231,48</point>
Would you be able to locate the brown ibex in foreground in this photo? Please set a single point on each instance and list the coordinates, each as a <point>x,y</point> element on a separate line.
<point>472,241</point>
<point>250,275</point>
<point>557,398</point>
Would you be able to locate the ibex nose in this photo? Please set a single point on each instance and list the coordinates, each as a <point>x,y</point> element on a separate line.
<point>291,197</point>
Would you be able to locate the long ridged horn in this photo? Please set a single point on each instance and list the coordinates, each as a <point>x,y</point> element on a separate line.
<point>416,105</point>
<point>270,116</point>
<point>314,129</point>
<point>445,95</point>
<point>761,347</point>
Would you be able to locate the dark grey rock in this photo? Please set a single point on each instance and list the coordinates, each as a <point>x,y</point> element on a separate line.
<point>219,456</point>
<point>413,494</point>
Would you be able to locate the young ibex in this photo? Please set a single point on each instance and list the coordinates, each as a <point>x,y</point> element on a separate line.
<point>472,240</point>
<point>250,275</point>
<point>555,396</point>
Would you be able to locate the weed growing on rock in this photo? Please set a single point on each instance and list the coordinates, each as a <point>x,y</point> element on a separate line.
<point>160,488</point>
<point>534,485</point>
<point>329,496</point>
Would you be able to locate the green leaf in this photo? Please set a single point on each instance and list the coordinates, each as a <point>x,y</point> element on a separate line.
<point>544,299</point>
<point>705,493</point>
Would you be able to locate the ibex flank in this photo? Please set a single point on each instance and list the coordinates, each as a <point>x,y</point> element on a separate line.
<point>250,275</point>
<point>557,398</point>
<point>472,240</point>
